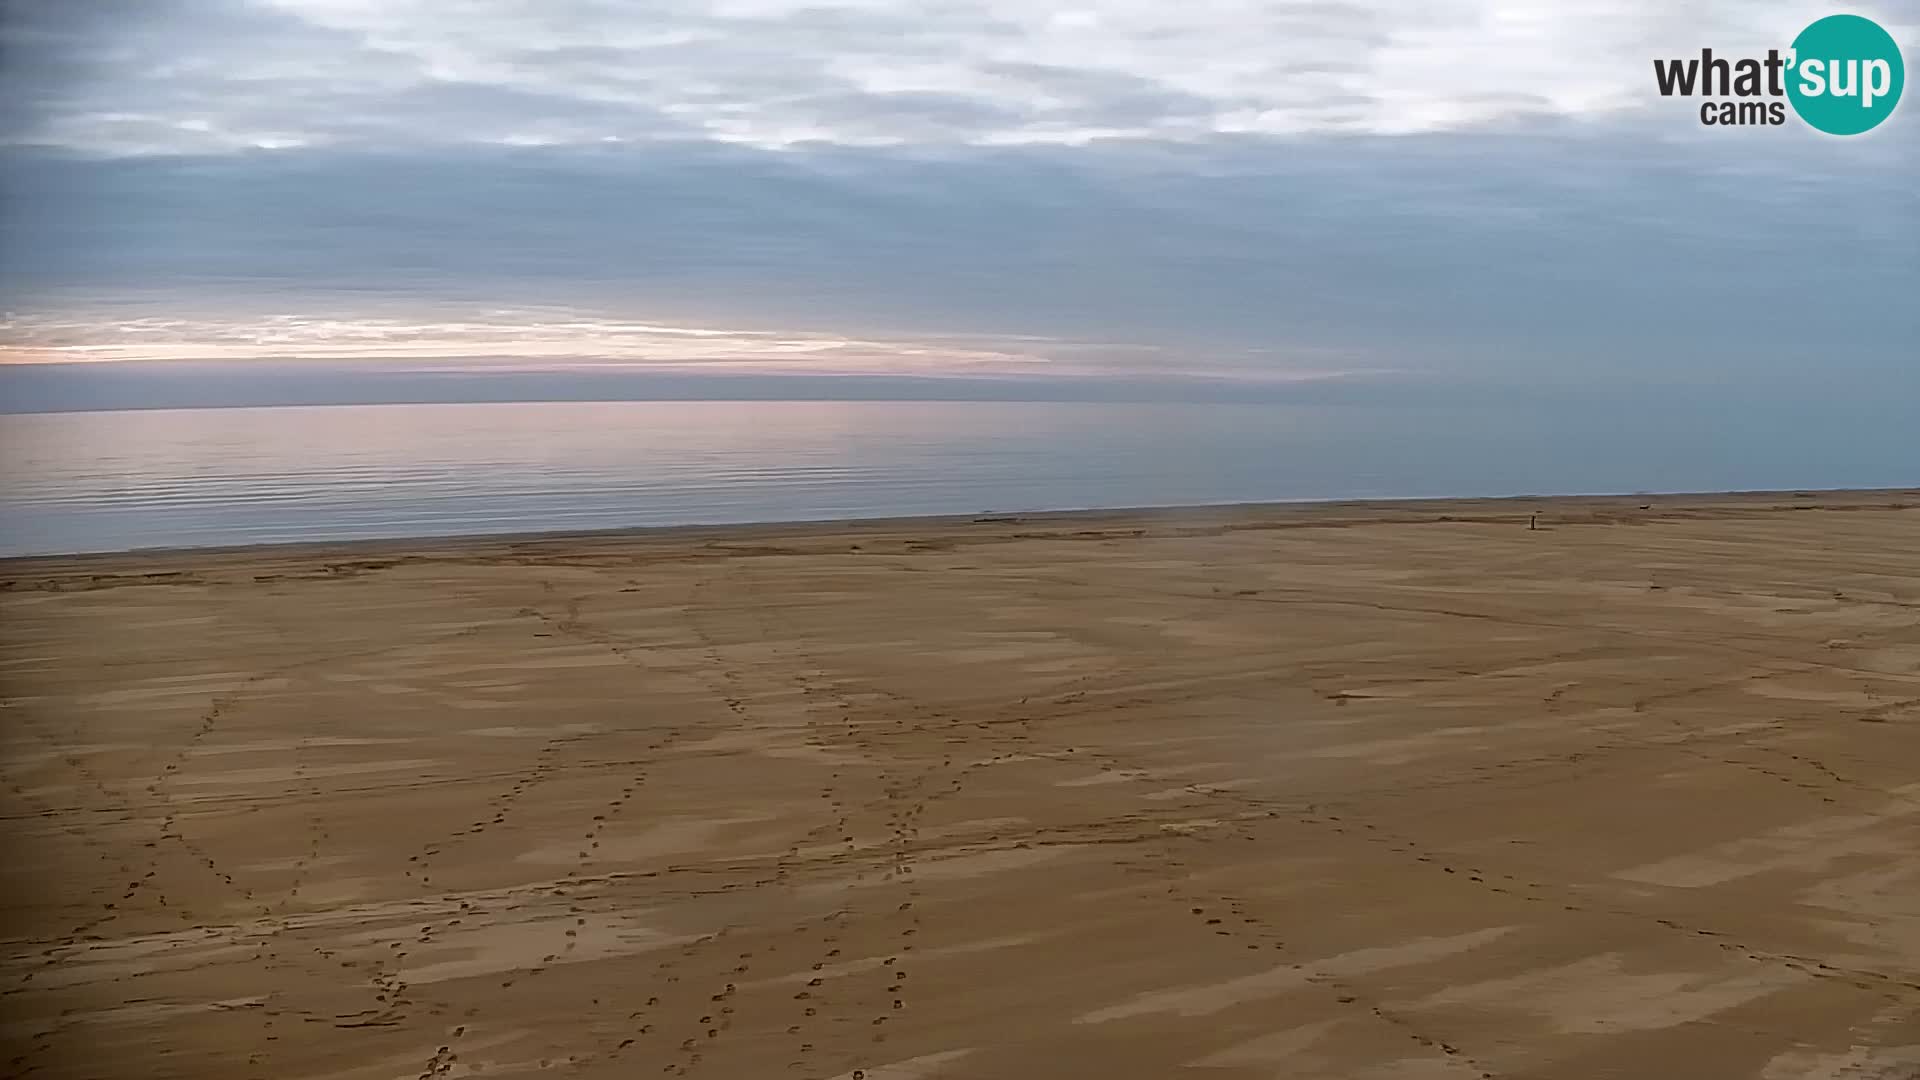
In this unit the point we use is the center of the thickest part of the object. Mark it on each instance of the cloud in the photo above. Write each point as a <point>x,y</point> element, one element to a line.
<point>120,77</point>
<point>1564,254</point>
<point>1196,188</point>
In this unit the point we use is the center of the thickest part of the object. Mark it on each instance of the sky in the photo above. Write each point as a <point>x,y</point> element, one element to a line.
<point>1137,198</point>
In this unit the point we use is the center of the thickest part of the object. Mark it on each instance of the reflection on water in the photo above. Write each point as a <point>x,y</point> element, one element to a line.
<point>118,480</point>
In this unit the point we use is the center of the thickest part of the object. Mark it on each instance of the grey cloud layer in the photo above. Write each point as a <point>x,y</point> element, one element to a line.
<point>119,76</point>
<point>1413,186</point>
<point>1550,250</point>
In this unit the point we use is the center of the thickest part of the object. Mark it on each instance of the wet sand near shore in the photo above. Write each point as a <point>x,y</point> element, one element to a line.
<point>1393,791</point>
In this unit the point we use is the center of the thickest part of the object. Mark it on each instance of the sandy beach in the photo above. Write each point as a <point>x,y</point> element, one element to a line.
<point>1394,790</point>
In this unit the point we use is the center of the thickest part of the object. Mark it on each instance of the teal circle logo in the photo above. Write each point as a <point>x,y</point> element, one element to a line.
<point>1846,75</point>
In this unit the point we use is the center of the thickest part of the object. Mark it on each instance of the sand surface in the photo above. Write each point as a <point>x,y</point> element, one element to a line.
<point>1393,791</point>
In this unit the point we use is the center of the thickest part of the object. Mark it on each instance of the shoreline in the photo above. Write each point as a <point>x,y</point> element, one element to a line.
<point>1320,513</point>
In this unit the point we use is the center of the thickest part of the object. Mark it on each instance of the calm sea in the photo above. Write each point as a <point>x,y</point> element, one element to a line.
<point>105,481</point>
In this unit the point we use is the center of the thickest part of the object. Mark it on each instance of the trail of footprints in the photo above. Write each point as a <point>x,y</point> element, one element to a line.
<point>1893,988</point>
<point>114,863</point>
<point>836,731</point>
<point>1897,989</point>
<point>718,1013</point>
<point>274,916</point>
<point>114,867</point>
<point>546,764</point>
<point>145,885</point>
<point>390,988</point>
<point>643,1025</point>
<point>159,790</point>
<point>268,954</point>
<point>1228,918</point>
<point>832,726</point>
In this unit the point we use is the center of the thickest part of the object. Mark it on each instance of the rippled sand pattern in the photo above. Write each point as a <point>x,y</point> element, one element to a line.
<point>1404,790</point>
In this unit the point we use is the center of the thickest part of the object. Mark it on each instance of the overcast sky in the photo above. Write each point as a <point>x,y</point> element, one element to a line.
<point>1251,191</point>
